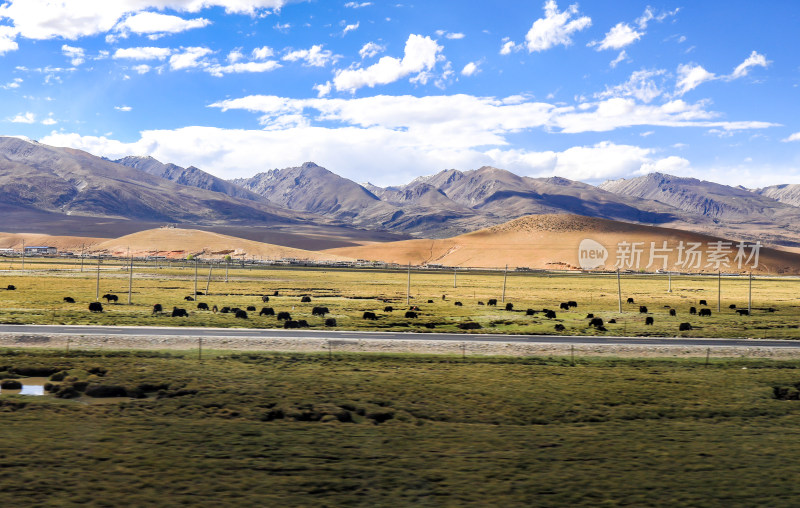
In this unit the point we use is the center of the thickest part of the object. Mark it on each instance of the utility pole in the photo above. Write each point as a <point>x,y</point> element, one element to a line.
<point>130,277</point>
<point>408,285</point>
<point>23,254</point>
<point>97,297</point>
<point>719,290</point>
<point>195,278</point>
<point>208,282</point>
<point>83,247</point>
<point>505,275</point>
<point>750,295</point>
<point>455,269</point>
<point>669,278</point>
<point>619,292</point>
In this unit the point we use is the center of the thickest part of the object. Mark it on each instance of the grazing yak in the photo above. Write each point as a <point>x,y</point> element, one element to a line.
<point>411,314</point>
<point>564,306</point>
<point>110,298</point>
<point>630,300</point>
<point>549,314</point>
<point>572,303</point>
<point>96,307</point>
<point>369,315</point>
<point>703,302</point>
<point>330,321</point>
<point>265,298</point>
<point>743,312</point>
<point>202,306</point>
<point>492,301</point>
<point>157,308</point>
<point>672,312</point>
<point>692,310</point>
<point>596,322</point>
<point>267,311</point>
<point>241,314</point>
<point>251,308</point>
<point>648,320</point>
<point>305,299</point>
<point>705,312</point>
<point>69,299</point>
<point>284,316</point>
<point>530,312</point>
<point>559,327</point>
<point>684,327</point>
<point>509,306</point>
<point>458,304</point>
<point>319,311</point>
<point>642,309</point>
<point>188,298</point>
<point>388,308</point>
<point>176,312</point>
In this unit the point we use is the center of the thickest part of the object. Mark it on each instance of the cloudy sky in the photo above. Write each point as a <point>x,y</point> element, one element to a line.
<point>385,91</point>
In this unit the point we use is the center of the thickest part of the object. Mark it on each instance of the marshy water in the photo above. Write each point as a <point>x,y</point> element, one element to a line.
<point>30,386</point>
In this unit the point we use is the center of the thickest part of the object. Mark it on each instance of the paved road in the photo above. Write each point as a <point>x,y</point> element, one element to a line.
<point>343,335</point>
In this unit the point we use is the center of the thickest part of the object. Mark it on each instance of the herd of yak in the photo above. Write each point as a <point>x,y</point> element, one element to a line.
<point>411,313</point>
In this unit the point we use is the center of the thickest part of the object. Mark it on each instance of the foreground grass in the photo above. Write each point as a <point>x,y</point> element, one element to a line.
<point>349,293</point>
<point>268,429</point>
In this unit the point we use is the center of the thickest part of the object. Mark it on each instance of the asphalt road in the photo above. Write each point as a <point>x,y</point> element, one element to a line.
<point>343,335</point>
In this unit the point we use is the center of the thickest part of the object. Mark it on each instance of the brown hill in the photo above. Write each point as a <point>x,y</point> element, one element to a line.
<point>179,243</point>
<point>553,241</point>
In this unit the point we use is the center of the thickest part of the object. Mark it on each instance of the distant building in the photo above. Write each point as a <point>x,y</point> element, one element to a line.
<point>41,250</point>
<point>7,252</point>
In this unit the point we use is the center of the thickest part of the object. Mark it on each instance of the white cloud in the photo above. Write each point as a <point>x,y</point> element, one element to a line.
<point>621,35</point>
<point>470,69</point>
<point>420,55</point>
<point>463,120</point>
<point>450,35</point>
<point>156,23</point>
<point>142,69</point>
<point>46,19</point>
<point>508,47</point>
<point>370,49</point>
<point>556,28</point>
<point>13,84</point>
<point>238,67</point>
<point>142,53</point>
<point>622,57</point>
<point>123,108</point>
<point>323,89</point>
<point>49,120</point>
<point>7,42</point>
<point>263,53</point>
<point>640,85</point>
<point>754,60</point>
<point>357,5</point>
<point>792,137</point>
<point>350,28</point>
<point>600,161</point>
<point>189,58</point>
<point>691,76</point>
<point>312,57</point>
<point>285,27</point>
<point>235,55</point>
<point>76,55</point>
<point>23,118</point>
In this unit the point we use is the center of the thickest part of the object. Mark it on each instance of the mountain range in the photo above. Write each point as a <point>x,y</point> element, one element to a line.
<point>66,183</point>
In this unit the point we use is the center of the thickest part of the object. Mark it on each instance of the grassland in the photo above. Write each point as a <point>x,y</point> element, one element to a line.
<point>349,293</point>
<point>366,430</point>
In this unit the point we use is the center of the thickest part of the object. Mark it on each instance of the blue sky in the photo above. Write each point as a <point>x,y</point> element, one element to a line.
<point>387,91</point>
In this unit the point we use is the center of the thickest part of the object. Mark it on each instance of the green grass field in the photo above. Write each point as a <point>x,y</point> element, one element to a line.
<point>349,293</point>
<point>367,430</point>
